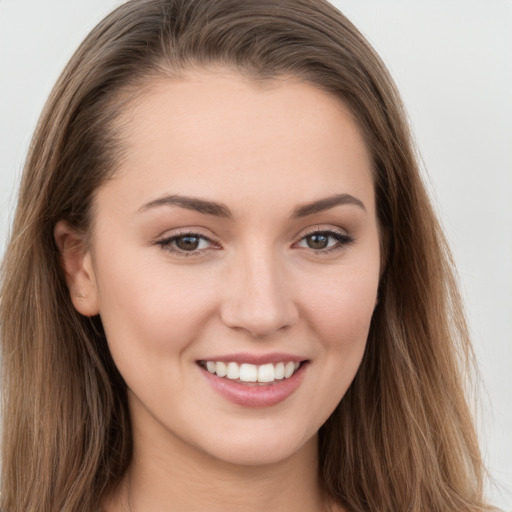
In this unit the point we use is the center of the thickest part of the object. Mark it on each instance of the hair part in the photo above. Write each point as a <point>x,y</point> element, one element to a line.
<point>401,439</point>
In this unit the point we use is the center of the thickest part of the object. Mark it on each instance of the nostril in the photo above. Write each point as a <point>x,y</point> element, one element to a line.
<point>260,324</point>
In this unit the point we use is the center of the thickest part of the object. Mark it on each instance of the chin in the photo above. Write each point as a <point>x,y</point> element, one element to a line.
<point>260,447</point>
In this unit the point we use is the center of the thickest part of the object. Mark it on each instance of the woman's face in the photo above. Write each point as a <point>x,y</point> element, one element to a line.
<point>239,235</point>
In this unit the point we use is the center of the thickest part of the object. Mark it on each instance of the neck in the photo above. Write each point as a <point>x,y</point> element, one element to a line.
<point>173,476</point>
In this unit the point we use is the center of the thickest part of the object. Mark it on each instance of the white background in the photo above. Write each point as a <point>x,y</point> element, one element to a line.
<point>452,60</point>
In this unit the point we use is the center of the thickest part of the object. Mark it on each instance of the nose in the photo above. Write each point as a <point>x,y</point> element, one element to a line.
<point>257,297</point>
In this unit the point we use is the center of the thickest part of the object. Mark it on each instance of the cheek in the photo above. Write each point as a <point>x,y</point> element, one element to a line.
<point>338,316</point>
<point>341,308</point>
<point>146,310</point>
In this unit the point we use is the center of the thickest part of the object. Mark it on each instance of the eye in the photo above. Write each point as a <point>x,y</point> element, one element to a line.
<point>187,244</point>
<point>323,241</point>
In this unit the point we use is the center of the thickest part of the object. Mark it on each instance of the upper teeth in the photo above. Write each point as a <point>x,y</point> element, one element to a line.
<point>251,372</point>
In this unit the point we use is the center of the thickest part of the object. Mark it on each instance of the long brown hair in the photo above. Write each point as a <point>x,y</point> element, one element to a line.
<point>401,439</point>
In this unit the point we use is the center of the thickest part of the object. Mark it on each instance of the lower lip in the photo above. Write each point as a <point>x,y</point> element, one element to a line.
<point>254,395</point>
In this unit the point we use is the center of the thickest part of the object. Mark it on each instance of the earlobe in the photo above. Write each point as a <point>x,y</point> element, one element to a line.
<point>76,262</point>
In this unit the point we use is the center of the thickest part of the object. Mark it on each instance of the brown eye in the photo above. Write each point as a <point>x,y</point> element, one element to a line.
<point>187,243</point>
<point>323,242</point>
<point>318,241</point>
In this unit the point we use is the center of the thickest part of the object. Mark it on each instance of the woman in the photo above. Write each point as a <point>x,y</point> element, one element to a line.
<point>226,287</point>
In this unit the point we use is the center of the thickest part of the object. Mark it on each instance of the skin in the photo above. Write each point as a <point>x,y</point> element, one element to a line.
<point>254,285</point>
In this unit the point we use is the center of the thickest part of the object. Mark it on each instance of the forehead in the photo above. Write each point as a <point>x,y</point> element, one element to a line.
<point>217,132</point>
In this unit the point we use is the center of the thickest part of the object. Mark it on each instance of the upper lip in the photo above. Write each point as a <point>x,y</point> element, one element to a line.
<point>256,359</point>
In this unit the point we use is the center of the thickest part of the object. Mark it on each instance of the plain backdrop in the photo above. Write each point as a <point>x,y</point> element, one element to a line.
<point>452,61</point>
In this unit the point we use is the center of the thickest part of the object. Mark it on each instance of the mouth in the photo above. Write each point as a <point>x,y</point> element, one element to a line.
<point>248,373</point>
<point>252,381</point>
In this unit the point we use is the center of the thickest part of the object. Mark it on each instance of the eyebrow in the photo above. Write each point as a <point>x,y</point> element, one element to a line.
<point>327,203</point>
<point>220,210</point>
<point>190,203</point>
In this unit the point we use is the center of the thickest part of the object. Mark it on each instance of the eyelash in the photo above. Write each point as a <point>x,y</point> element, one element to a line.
<point>167,243</point>
<point>342,240</point>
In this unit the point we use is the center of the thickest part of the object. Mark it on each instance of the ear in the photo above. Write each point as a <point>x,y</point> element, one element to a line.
<point>76,261</point>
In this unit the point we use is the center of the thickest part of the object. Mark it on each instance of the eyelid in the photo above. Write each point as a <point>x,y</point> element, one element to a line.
<point>344,239</point>
<point>196,230</point>
<point>321,228</point>
<point>165,242</point>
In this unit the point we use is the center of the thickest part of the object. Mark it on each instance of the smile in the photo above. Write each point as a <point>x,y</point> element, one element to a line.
<point>254,381</point>
<point>245,372</point>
